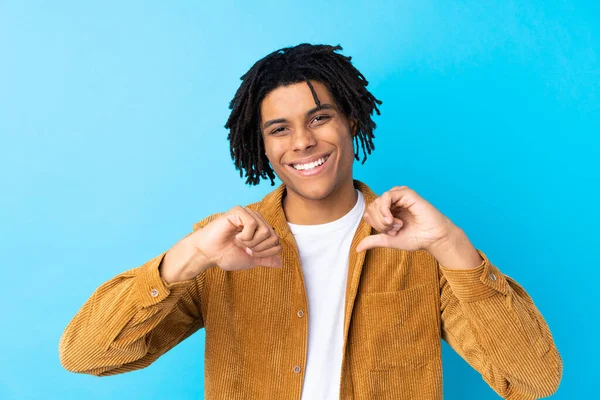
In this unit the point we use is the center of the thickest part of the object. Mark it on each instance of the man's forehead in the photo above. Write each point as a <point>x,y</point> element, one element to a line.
<point>296,97</point>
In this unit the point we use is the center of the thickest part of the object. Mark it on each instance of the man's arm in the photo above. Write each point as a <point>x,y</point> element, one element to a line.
<point>491,321</point>
<point>135,317</point>
<point>486,316</point>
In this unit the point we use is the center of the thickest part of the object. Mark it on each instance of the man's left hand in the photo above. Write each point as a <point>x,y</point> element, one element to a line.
<point>405,221</point>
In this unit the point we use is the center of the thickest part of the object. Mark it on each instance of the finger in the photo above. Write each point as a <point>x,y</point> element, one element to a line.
<point>372,241</point>
<point>271,238</point>
<point>271,262</point>
<point>402,197</point>
<point>374,222</point>
<point>367,217</point>
<point>376,218</point>
<point>384,208</point>
<point>266,253</point>
<point>263,230</point>
<point>396,226</point>
<point>234,219</point>
<point>269,242</point>
<point>248,222</point>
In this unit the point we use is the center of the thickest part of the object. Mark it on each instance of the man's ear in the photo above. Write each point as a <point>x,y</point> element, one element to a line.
<point>353,126</point>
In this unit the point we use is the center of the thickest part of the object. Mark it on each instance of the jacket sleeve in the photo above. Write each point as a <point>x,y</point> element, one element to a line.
<point>491,322</point>
<point>132,319</point>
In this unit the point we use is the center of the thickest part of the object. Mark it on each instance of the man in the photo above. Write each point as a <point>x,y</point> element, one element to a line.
<point>322,289</point>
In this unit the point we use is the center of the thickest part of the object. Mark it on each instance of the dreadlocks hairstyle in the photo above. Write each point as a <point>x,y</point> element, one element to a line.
<point>284,67</point>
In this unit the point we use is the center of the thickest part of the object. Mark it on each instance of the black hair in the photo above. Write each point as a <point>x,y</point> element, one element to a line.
<point>284,67</point>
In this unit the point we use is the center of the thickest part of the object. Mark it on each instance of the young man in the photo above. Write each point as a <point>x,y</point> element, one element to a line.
<point>322,289</point>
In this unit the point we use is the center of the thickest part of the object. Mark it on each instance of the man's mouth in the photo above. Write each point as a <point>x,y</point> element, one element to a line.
<point>311,168</point>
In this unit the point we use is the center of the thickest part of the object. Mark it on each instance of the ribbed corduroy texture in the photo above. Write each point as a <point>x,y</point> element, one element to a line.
<point>399,305</point>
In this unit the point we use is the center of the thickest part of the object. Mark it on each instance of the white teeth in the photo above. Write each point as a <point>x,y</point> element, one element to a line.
<point>303,167</point>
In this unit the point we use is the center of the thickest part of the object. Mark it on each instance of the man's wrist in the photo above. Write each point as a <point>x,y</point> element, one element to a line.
<point>456,252</point>
<point>183,262</point>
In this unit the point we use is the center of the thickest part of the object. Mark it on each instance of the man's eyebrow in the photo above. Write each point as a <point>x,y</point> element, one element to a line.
<point>273,122</point>
<point>324,106</point>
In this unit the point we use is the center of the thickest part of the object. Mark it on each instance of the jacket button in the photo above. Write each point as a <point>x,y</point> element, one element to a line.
<point>300,313</point>
<point>493,277</point>
<point>297,369</point>
<point>154,293</point>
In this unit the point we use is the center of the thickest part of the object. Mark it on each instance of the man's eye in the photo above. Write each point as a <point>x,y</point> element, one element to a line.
<point>277,130</point>
<point>319,118</point>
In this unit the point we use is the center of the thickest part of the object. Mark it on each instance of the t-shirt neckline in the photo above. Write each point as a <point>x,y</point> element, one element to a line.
<point>350,218</point>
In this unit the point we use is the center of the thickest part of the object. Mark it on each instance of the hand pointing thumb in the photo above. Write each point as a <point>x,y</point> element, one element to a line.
<point>270,261</point>
<point>380,240</point>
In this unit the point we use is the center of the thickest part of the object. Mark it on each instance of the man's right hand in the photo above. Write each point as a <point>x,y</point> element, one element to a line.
<point>238,240</point>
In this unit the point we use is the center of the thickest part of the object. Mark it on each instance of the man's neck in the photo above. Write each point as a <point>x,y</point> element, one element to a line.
<point>302,211</point>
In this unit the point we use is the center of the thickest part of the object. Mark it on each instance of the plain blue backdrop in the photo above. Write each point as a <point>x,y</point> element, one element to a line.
<point>113,145</point>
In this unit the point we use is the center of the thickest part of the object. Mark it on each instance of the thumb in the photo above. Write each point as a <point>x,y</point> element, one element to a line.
<point>380,240</point>
<point>271,261</point>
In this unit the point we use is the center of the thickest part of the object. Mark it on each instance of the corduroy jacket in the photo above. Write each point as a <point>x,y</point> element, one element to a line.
<point>398,307</point>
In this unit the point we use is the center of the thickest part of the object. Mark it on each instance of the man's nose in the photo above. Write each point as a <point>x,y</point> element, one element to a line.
<point>303,139</point>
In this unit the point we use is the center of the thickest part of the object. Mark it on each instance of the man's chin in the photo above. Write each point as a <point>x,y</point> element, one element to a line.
<point>311,192</point>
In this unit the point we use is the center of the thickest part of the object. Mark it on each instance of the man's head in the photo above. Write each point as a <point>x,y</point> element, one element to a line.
<point>297,103</point>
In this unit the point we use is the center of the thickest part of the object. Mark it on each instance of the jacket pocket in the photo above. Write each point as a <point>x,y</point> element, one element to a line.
<point>402,327</point>
<point>424,383</point>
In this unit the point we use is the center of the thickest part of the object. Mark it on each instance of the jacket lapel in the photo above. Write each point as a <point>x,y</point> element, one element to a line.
<point>356,261</point>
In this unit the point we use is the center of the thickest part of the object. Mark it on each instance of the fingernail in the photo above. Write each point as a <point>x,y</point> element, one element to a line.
<point>387,219</point>
<point>396,226</point>
<point>248,251</point>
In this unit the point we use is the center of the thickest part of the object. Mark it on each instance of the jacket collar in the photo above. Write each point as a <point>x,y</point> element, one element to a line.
<point>271,207</point>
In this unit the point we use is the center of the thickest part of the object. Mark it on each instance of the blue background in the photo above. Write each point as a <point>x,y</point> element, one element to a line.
<point>111,122</point>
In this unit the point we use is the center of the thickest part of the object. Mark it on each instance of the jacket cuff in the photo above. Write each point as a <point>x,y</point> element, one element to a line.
<point>151,288</point>
<point>478,283</point>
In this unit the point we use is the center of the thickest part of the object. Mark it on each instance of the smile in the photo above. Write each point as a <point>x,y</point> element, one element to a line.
<point>310,168</point>
<point>312,165</point>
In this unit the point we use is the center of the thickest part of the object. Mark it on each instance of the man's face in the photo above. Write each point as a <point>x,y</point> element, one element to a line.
<point>298,137</point>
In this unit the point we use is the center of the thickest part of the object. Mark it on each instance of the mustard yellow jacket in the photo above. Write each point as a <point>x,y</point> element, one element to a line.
<point>399,305</point>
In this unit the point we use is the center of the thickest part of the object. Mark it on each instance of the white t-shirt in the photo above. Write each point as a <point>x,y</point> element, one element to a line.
<point>324,251</point>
